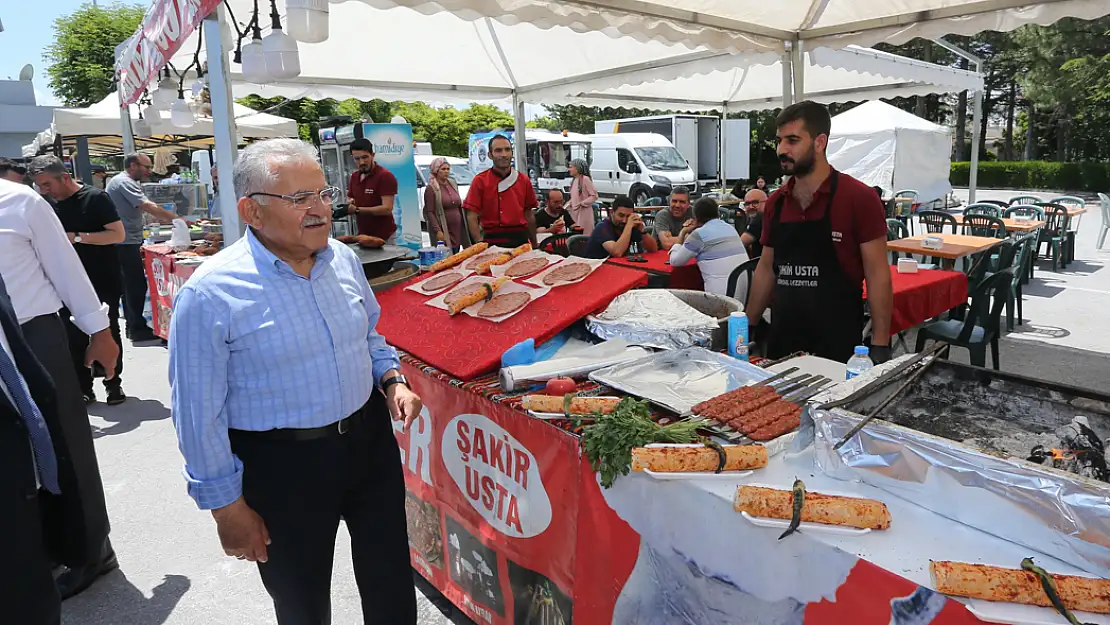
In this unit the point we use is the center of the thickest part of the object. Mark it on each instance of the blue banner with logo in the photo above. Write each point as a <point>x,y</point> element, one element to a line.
<point>479,149</point>
<point>393,149</point>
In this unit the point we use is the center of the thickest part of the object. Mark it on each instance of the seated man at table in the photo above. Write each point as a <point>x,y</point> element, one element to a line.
<point>669,221</point>
<point>715,245</point>
<point>623,229</point>
<point>755,201</point>
<point>553,217</point>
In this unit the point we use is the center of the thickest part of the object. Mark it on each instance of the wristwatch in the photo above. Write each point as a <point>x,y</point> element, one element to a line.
<point>397,379</point>
<point>77,238</point>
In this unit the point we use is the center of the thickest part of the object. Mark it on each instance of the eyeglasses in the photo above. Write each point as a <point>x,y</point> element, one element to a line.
<point>303,201</point>
<point>754,203</point>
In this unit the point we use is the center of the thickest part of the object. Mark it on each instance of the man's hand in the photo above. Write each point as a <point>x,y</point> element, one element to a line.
<point>880,354</point>
<point>71,236</point>
<point>635,221</point>
<point>351,207</point>
<point>558,226</point>
<point>439,236</point>
<point>403,404</point>
<point>689,223</point>
<point>103,349</point>
<point>242,532</point>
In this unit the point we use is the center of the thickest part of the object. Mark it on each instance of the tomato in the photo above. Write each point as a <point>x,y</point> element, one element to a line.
<point>560,386</point>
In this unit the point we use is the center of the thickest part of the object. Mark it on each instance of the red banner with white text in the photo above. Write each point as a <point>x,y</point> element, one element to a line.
<point>165,27</point>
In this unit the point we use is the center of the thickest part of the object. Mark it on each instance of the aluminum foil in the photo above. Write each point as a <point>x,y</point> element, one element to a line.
<point>1059,514</point>
<point>580,363</point>
<point>653,318</point>
<point>678,379</point>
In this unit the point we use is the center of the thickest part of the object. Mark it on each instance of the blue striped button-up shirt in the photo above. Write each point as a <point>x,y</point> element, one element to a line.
<point>254,346</point>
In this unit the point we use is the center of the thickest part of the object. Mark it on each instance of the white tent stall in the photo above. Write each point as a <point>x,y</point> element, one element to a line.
<point>884,146</point>
<point>102,119</point>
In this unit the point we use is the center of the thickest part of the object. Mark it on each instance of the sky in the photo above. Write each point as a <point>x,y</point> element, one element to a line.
<point>26,35</point>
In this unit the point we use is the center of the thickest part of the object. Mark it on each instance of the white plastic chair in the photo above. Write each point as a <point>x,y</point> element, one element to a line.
<point>1104,201</point>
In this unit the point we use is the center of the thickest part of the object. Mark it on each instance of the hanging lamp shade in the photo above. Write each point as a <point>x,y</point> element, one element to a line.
<point>141,128</point>
<point>307,20</point>
<point>181,114</point>
<point>165,94</point>
<point>254,63</point>
<point>283,60</point>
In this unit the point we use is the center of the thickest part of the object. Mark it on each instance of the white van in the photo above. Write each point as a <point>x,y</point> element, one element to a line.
<point>639,165</point>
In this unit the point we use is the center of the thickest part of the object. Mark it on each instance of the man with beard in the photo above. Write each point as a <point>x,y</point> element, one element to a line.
<point>554,218</point>
<point>755,202</point>
<point>371,192</point>
<point>825,234</point>
<point>623,229</point>
<point>94,227</point>
<point>132,204</point>
<point>282,310</point>
<point>670,221</point>
<point>501,203</point>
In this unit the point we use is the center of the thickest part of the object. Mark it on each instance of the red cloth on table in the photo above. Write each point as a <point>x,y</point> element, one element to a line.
<point>465,347</point>
<point>921,296</point>
<point>686,277</point>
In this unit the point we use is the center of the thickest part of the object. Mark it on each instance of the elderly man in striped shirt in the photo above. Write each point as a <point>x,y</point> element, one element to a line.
<point>716,246</point>
<point>282,392</point>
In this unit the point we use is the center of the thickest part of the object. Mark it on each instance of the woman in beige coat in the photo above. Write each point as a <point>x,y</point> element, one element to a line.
<point>582,196</point>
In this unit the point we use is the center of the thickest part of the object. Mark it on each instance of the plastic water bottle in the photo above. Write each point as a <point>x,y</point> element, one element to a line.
<point>859,363</point>
<point>441,251</point>
<point>738,335</point>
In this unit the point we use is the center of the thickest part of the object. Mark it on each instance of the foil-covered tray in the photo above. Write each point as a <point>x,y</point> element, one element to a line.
<point>955,443</point>
<point>678,379</point>
<point>653,318</point>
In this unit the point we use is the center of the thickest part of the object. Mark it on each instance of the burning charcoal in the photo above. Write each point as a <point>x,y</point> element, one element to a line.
<point>1081,451</point>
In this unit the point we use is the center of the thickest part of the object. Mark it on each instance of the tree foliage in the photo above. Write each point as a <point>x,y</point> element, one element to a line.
<point>82,57</point>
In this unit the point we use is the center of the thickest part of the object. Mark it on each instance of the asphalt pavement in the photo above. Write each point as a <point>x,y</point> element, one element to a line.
<point>173,571</point>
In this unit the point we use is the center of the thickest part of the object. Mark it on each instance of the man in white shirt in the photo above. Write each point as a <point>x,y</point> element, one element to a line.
<point>43,273</point>
<point>716,246</point>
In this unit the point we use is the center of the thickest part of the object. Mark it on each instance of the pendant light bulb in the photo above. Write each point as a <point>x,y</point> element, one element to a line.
<point>307,20</point>
<point>283,60</point>
<point>166,92</point>
<point>254,63</point>
<point>181,115</point>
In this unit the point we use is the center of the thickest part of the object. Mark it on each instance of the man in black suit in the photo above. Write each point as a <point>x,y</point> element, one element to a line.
<point>28,466</point>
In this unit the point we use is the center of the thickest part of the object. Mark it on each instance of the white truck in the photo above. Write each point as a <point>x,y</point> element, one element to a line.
<point>639,165</point>
<point>698,138</point>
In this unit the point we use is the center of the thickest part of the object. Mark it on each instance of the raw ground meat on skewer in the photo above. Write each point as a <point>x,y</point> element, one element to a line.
<point>568,272</point>
<point>504,304</point>
<point>526,267</point>
<point>441,282</point>
<point>783,426</point>
<point>749,406</point>
<point>768,415</point>
<point>734,396</point>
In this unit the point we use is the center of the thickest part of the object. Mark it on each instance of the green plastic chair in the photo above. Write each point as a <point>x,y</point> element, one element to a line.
<point>1024,199</point>
<point>1025,210</point>
<point>983,208</point>
<point>1104,201</point>
<point>655,201</point>
<point>1055,234</point>
<point>979,225</point>
<point>1073,224</point>
<point>576,245</point>
<point>981,326</point>
<point>903,211</point>
<point>896,229</point>
<point>935,221</point>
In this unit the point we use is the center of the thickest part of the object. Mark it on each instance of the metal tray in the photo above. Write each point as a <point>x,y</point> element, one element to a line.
<point>678,379</point>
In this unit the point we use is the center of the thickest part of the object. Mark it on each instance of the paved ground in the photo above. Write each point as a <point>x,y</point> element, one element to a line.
<point>171,567</point>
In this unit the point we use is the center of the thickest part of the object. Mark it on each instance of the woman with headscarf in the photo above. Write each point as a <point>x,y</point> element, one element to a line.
<point>582,196</point>
<point>443,210</point>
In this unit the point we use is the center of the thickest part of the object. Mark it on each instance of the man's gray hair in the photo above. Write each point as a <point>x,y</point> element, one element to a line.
<point>48,164</point>
<point>681,190</point>
<point>256,164</point>
<point>129,160</point>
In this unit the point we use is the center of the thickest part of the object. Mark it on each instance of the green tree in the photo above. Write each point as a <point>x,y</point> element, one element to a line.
<point>545,122</point>
<point>82,57</point>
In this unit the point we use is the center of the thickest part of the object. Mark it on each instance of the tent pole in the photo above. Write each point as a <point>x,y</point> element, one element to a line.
<point>520,150</point>
<point>125,111</point>
<point>787,79</point>
<point>721,134</point>
<point>81,166</point>
<point>976,139</point>
<point>798,60</point>
<point>223,123</point>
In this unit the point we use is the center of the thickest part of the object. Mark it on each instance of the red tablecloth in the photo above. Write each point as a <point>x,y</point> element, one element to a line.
<point>687,276</point>
<point>465,347</point>
<point>921,296</point>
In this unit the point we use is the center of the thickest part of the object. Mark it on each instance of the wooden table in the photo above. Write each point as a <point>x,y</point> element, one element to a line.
<point>1016,225</point>
<point>955,246</point>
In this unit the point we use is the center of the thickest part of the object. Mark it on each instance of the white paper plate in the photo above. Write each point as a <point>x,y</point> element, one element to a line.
<point>816,528</point>
<point>1017,614</point>
<point>537,279</point>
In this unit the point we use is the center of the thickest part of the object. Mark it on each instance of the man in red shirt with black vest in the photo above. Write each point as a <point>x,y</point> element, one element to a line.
<point>370,193</point>
<point>824,233</point>
<point>501,201</point>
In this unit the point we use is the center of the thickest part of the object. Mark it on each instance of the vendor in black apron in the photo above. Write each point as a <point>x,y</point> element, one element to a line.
<point>825,234</point>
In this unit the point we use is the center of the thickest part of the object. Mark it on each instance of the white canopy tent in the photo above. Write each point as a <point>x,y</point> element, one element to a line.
<point>884,146</point>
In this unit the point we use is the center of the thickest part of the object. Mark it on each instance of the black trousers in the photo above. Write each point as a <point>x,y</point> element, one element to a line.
<point>134,287</point>
<point>28,595</point>
<point>302,489</point>
<point>79,342</point>
<point>75,522</point>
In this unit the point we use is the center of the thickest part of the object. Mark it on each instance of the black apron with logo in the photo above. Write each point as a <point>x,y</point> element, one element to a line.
<point>816,308</point>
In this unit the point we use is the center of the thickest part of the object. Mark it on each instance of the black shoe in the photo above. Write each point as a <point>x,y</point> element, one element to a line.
<point>116,396</point>
<point>74,581</point>
<point>90,397</point>
<point>144,338</point>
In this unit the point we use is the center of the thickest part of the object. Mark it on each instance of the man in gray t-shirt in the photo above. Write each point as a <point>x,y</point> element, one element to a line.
<point>669,221</point>
<point>131,203</point>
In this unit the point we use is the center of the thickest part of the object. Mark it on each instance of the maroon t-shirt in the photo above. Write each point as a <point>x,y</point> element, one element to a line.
<point>367,191</point>
<point>858,217</point>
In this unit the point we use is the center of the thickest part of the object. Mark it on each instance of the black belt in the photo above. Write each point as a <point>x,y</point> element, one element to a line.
<point>339,428</point>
